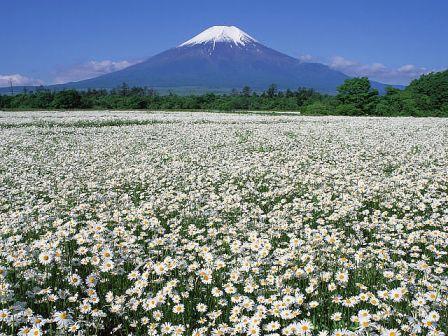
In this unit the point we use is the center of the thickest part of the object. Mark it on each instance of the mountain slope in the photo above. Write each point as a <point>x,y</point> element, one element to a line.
<point>221,65</point>
<point>218,59</point>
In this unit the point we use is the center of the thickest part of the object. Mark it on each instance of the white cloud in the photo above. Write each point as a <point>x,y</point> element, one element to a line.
<point>378,71</point>
<point>307,58</point>
<point>408,68</point>
<point>339,62</point>
<point>90,69</point>
<point>18,80</point>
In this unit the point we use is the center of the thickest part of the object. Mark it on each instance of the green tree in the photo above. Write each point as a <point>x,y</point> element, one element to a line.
<point>271,92</point>
<point>430,91</point>
<point>358,96</point>
<point>348,110</point>
<point>317,108</point>
<point>397,103</point>
<point>67,99</point>
<point>246,91</point>
<point>43,99</point>
<point>123,90</point>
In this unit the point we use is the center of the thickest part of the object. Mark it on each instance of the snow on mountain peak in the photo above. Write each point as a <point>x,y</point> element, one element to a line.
<point>230,34</point>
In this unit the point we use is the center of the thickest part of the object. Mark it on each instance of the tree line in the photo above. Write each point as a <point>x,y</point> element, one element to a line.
<point>426,96</point>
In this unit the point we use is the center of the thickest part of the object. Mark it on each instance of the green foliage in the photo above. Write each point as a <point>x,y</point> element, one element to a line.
<point>426,96</point>
<point>430,93</point>
<point>271,91</point>
<point>357,97</point>
<point>67,100</point>
<point>348,109</point>
<point>318,108</point>
<point>246,91</point>
<point>397,103</point>
<point>125,97</point>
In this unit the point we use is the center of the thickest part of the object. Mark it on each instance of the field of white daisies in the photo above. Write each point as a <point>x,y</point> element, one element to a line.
<point>134,223</point>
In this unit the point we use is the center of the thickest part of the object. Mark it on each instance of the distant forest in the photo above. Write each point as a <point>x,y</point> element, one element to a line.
<point>426,96</point>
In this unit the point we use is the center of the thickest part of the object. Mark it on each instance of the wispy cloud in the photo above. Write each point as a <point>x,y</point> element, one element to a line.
<point>17,80</point>
<point>90,69</point>
<point>378,71</point>
<point>307,58</point>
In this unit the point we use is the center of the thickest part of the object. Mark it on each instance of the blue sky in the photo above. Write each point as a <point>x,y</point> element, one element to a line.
<point>49,41</point>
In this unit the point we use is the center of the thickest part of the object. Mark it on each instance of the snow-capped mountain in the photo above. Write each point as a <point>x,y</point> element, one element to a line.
<point>220,58</point>
<point>216,34</point>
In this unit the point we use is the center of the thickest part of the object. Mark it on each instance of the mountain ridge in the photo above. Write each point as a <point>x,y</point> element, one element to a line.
<point>220,58</point>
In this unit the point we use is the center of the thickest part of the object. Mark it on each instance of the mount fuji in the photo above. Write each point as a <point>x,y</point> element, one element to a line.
<point>220,58</point>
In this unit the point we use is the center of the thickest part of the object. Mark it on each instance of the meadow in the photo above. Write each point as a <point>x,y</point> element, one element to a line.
<point>137,223</point>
